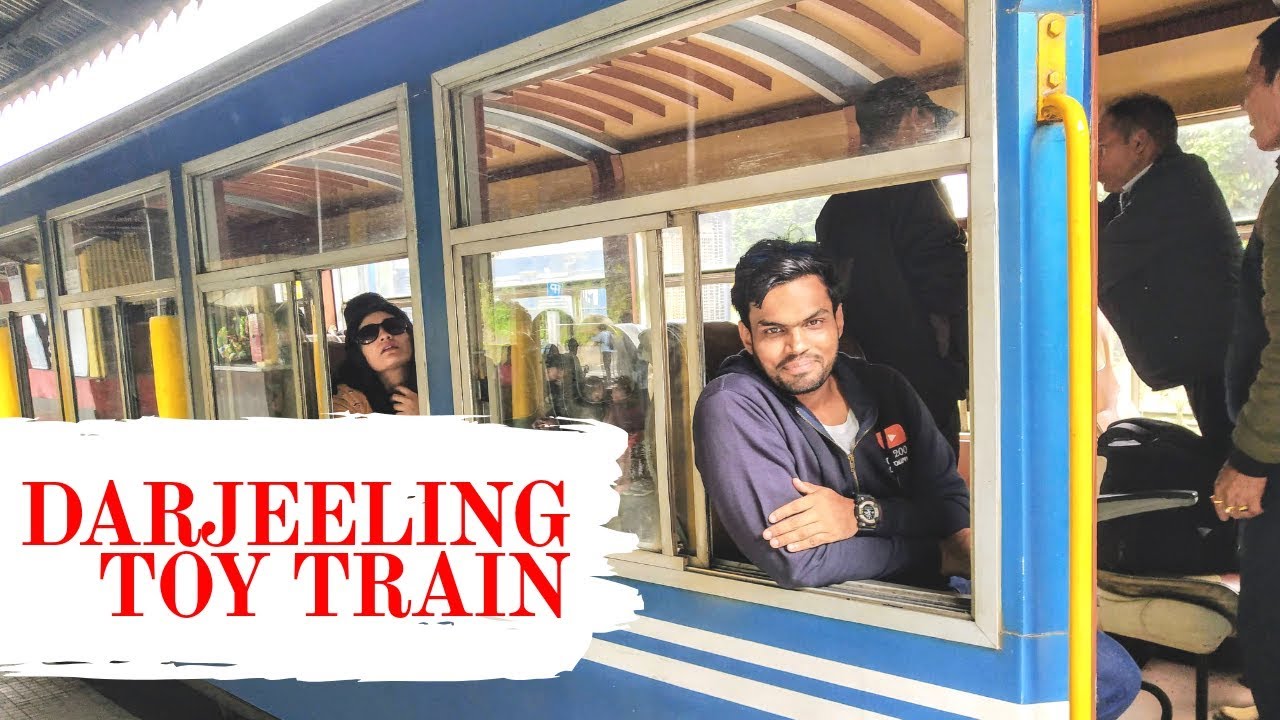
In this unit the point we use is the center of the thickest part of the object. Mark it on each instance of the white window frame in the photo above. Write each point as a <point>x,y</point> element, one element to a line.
<point>314,132</point>
<point>630,23</point>
<point>62,302</point>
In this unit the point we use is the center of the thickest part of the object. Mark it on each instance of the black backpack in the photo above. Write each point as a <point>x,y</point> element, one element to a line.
<point>1145,454</point>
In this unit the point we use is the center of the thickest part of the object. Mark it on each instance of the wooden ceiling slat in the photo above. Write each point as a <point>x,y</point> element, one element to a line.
<point>631,77</point>
<point>512,138</point>
<point>386,156</point>
<point>679,70</point>
<point>554,109</point>
<point>934,10</point>
<point>499,141</point>
<point>722,61</point>
<point>885,27</point>
<point>644,102</point>
<point>583,101</point>
<point>279,197</point>
<point>308,178</point>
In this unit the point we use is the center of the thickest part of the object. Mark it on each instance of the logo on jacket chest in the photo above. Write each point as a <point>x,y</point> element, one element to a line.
<point>893,440</point>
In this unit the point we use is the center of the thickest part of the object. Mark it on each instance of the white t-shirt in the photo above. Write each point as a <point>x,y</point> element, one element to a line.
<point>844,434</point>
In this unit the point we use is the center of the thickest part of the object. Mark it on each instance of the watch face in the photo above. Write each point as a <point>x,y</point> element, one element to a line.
<point>868,511</point>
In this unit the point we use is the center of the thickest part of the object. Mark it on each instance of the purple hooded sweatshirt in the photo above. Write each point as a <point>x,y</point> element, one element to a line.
<point>751,438</point>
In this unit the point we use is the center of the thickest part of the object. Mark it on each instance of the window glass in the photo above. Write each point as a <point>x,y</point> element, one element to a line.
<point>95,366</point>
<point>251,338</point>
<point>137,327</point>
<point>21,269</point>
<point>36,355</point>
<point>119,245</point>
<point>1242,170</point>
<point>345,194</point>
<point>750,94</point>
<point>563,330</point>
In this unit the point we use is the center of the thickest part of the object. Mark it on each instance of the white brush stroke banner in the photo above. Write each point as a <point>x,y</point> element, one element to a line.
<point>63,602</point>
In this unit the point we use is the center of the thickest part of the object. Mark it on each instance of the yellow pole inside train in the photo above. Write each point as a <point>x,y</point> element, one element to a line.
<point>166,362</point>
<point>10,402</point>
<point>1081,628</point>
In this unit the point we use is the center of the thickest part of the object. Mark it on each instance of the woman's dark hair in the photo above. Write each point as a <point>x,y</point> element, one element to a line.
<point>1269,55</point>
<point>774,262</point>
<point>355,371</point>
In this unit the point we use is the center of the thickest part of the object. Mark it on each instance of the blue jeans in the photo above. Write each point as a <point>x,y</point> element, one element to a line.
<point>1119,679</point>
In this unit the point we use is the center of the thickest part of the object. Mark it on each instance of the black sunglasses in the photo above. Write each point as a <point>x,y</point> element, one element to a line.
<point>370,332</point>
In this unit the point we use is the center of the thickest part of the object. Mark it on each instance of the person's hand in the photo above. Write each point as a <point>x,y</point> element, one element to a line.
<point>820,516</point>
<point>957,554</point>
<point>347,399</point>
<point>405,401</point>
<point>1237,496</point>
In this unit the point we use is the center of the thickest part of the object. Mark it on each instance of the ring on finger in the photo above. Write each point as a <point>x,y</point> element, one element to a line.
<point>1215,500</point>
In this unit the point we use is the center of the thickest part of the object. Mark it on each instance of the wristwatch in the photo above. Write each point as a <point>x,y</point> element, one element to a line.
<point>867,510</point>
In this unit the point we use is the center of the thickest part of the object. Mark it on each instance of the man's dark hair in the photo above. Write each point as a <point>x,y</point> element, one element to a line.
<point>773,262</point>
<point>1269,57</point>
<point>1147,112</point>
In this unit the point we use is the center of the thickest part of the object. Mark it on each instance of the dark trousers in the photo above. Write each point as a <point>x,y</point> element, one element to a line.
<point>1259,614</point>
<point>1208,399</point>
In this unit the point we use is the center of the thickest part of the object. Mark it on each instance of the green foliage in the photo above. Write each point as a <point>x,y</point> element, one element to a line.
<point>792,221</point>
<point>1243,172</point>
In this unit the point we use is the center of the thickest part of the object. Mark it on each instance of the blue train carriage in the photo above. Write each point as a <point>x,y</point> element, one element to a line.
<point>541,186</point>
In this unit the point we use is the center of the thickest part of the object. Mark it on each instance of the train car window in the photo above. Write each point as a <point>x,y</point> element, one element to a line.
<point>95,364</point>
<point>745,94</point>
<point>700,133</point>
<point>1242,170</point>
<point>349,192</point>
<point>22,275</point>
<point>118,255</point>
<point>30,388</point>
<point>122,244</point>
<point>565,331</point>
<point>254,350</point>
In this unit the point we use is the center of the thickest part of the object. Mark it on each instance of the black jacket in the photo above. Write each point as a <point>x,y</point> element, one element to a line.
<point>1168,271</point>
<point>750,439</point>
<point>902,258</point>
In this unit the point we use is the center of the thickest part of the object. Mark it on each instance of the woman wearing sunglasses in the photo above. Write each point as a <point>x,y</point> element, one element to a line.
<point>377,374</point>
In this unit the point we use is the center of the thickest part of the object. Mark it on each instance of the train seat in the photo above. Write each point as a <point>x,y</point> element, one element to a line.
<point>1191,613</point>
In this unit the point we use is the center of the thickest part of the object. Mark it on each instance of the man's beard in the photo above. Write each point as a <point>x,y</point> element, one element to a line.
<point>799,387</point>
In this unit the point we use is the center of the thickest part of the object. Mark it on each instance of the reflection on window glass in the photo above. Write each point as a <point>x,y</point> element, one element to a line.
<point>251,337</point>
<point>787,87</point>
<point>42,373</point>
<point>21,270</point>
<point>137,327</point>
<point>563,331</point>
<point>1242,170</point>
<point>95,367</point>
<point>389,279</point>
<point>344,195</point>
<point>123,244</point>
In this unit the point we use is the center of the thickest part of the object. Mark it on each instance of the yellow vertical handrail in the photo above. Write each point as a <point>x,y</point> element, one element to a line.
<point>1082,565</point>
<point>167,366</point>
<point>10,397</point>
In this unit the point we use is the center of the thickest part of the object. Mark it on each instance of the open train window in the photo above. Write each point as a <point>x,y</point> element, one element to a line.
<point>289,227</point>
<point>27,350</point>
<point>613,185</point>
<point>116,254</point>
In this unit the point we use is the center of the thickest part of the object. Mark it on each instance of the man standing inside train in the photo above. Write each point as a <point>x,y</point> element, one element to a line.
<point>825,468</point>
<point>1168,259</point>
<point>899,250</point>
<point>1248,487</point>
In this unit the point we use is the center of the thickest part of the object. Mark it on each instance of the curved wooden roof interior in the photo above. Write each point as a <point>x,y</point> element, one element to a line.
<point>785,62</point>
<point>1191,52</point>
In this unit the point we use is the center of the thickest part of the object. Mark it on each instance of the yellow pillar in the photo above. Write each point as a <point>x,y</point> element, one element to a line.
<point>10,402</point>
<point>526,370</point>
<point>166,362</point>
